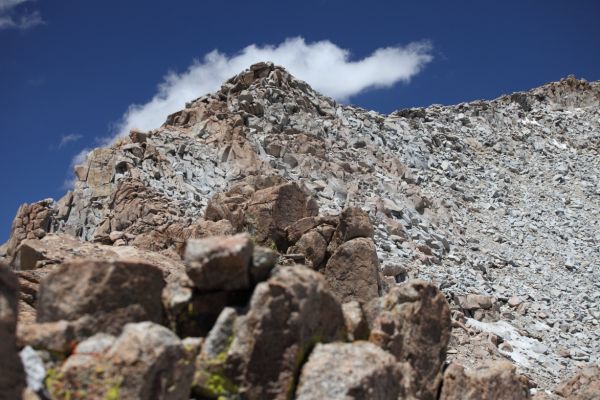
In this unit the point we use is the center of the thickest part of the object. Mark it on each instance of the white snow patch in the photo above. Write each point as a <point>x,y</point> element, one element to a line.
<point>524,349</point>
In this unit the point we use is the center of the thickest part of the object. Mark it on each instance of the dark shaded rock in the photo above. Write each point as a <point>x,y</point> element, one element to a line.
<point>101,296</point>
<point>12,376</point>
<point>287,316</point>
<point>313,246</point>
<point>414,325</point>
<point>352,272</point>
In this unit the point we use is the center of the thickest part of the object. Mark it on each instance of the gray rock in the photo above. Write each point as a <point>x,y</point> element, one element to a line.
<point>350,371</point>
<point>219,262</point>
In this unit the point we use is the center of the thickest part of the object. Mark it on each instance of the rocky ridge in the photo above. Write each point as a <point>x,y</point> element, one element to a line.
<point>495,202</point>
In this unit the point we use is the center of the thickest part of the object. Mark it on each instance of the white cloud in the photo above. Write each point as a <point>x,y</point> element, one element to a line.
<point>8,4</point>
<point>11,18</point>
<point>66,139</point>
<point>323,65</point>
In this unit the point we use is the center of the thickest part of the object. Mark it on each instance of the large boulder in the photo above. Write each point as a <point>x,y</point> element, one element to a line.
<point>219,262</point>
<point>287,316</point>
<point>271,210</point>
<point>32,221</point>
<point>497,380</point>
<point>313,246</point>
<point>63,248</point>
<point>264,206</point>
<point>352,272</point>
<point>101,296</point>
<point>584,385</point>
<point>353,223</point>
<point>414,325</point>
<point>12,377</point>
<point>345,371</point>
<point>147,361</point>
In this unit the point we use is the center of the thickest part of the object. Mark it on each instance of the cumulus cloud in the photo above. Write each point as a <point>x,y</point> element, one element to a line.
<point>11,17</point>
<point>66,139</point>
<point>328,68</point>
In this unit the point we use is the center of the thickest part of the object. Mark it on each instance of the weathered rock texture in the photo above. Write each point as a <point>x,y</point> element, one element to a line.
<point>585,385</point>
<point>414,325</point>
<point>147,361</point>
<point>287,316</point>
<point>101,296</point>
<point>350,371</point>
<point>496,202</point>
<point>494,381</point>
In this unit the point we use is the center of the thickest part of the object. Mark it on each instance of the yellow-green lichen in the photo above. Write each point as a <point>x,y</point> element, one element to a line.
<point>217,385</point>
<point>114,388</point>
<point>113,393</point>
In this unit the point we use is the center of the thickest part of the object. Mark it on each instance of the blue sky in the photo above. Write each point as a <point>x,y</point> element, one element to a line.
<point>70,69</point>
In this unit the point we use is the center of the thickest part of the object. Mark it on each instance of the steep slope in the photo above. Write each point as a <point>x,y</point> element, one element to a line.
<point>498,198</point>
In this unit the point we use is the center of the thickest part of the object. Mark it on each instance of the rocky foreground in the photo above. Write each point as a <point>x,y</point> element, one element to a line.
<point>268,243</point>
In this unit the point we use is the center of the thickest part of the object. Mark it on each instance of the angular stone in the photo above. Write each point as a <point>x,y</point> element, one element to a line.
<point>101,296</point>
<point>32,221</point>
<point>63,248</point>
<point>263,261</point>
<point>414,325</point>
<point>354,223</point>
<point>213,374</point>
<point>472,302</point>
<point>287,316</point>
<point>219,262</point>
<point>147,361</point>
<point>356,323</point>
<point>352,272</point>
<point>359,370</point>
<point>313,246</point>
<point>58,336</point>
<point>12,376</point>
<point>584,385</point>
<point>269,211</point>
<point>495,380</point>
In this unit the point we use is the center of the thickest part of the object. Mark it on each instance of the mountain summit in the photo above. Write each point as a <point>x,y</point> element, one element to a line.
<point>497,203</point>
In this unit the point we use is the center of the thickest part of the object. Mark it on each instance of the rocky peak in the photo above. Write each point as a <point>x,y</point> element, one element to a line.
<point>495,202</point>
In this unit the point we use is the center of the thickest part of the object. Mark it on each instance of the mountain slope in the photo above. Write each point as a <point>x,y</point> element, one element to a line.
<point>497,198</point>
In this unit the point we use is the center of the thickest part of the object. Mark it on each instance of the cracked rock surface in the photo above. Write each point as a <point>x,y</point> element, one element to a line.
<point>497,203</point>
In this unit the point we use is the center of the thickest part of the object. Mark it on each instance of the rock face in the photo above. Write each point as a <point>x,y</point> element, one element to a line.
<point>353,271</point>
<point>12,378</point>
<point>495,381</point>
<point>147,361</point>
<point>585,385</point>
<point>496,202</point>
<point>265,207</point>
<point>350,371</point>
<point>414,326</point>
<point>219,262</point>
<point>287,316</point>
<point>101,296</point>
